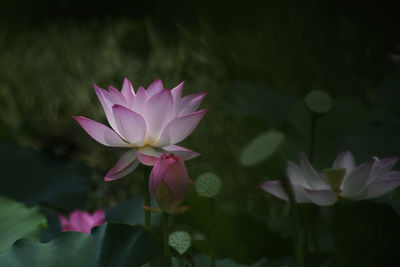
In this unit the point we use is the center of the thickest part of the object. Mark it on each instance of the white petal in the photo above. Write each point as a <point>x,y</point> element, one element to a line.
<point>275,188</point>
<point>314,180</point>
<point>378,188</point>
<point>356,180</point>
<point>295,174</point>
<point>345,160</point>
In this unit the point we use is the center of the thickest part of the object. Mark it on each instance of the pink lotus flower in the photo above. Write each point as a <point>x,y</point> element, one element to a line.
<point>82,221</point>
<point>169,183</point>
<point>368,180</point>
<point>149,122</point>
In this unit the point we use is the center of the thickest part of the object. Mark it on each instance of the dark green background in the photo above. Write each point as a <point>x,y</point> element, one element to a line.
<point>257,61</point>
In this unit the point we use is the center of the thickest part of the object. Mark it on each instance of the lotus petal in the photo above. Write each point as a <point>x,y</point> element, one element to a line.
<point>190,103</point>
<point>179,128</point>
<point>130,125</point>
<point>128,93</point>
<point>125,165</point>
<point>155,87</point>
<point>158,111</point>
<point>101,133</point>
<point>345,160</point>
<point>313,179</point>
<point>182,152</point>
<point>356,180</point>
<point>275,188</point>
<point>378,188</point>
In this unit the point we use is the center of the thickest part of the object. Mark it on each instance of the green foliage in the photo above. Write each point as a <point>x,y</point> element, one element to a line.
<point>131,211</point>
<point>262,147</point>
<point>109,245</point>
<point>18,221</point>
<point>33,177</point>
<point>245,99</point>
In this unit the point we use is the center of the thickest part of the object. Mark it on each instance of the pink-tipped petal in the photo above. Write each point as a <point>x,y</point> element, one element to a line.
<point>182,152</point>
<point>101,133</point>
<point>158,111</point>
<point>128,93</point>
<point>155,87</point>
<point>125,165</point>
<point>314,180</point>
<point>275,188</point>
<point>378,188</point>
<point>187,107</point>
<point>176,96</point>
<point>146,159</point>
<point>130,124</point>
<point>148,156</point>
<point>140,99</point>
<point>356,180</point>
<point>106,103</point>
<point>345,160</point>
<point>177,92</point>
<point>116,97</point>
<point>179,128</point>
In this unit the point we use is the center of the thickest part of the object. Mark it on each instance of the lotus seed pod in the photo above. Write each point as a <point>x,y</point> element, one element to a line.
<point>318,101</point>
<point>180,240</point>
<point>208,184</point>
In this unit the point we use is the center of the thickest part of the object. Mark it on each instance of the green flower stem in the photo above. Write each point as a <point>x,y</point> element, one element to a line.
<point>314,120</point>
<point>147,199</point>
<point>297,234</point>
<point>212,230</point>
<point>312,211</point>
<point>165,234</point>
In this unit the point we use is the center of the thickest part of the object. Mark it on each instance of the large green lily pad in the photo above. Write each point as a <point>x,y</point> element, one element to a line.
<point>112,244</point>
<point>17,221</point>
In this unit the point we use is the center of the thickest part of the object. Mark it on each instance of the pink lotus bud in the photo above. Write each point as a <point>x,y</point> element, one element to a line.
<point>169,182</point>
<point>82,221</point>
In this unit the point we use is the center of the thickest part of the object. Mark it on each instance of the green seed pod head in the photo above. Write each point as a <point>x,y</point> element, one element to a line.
<point>208,184</point>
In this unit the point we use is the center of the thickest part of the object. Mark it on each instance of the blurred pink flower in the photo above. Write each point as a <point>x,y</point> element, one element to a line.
<point>149,122</point>
<point>368,180</point>
<point>169,183</point>
<point>82,221</point>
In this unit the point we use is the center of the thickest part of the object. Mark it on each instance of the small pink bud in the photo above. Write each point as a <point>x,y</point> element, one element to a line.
<point>169,182</point>
<point>82,221</point>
